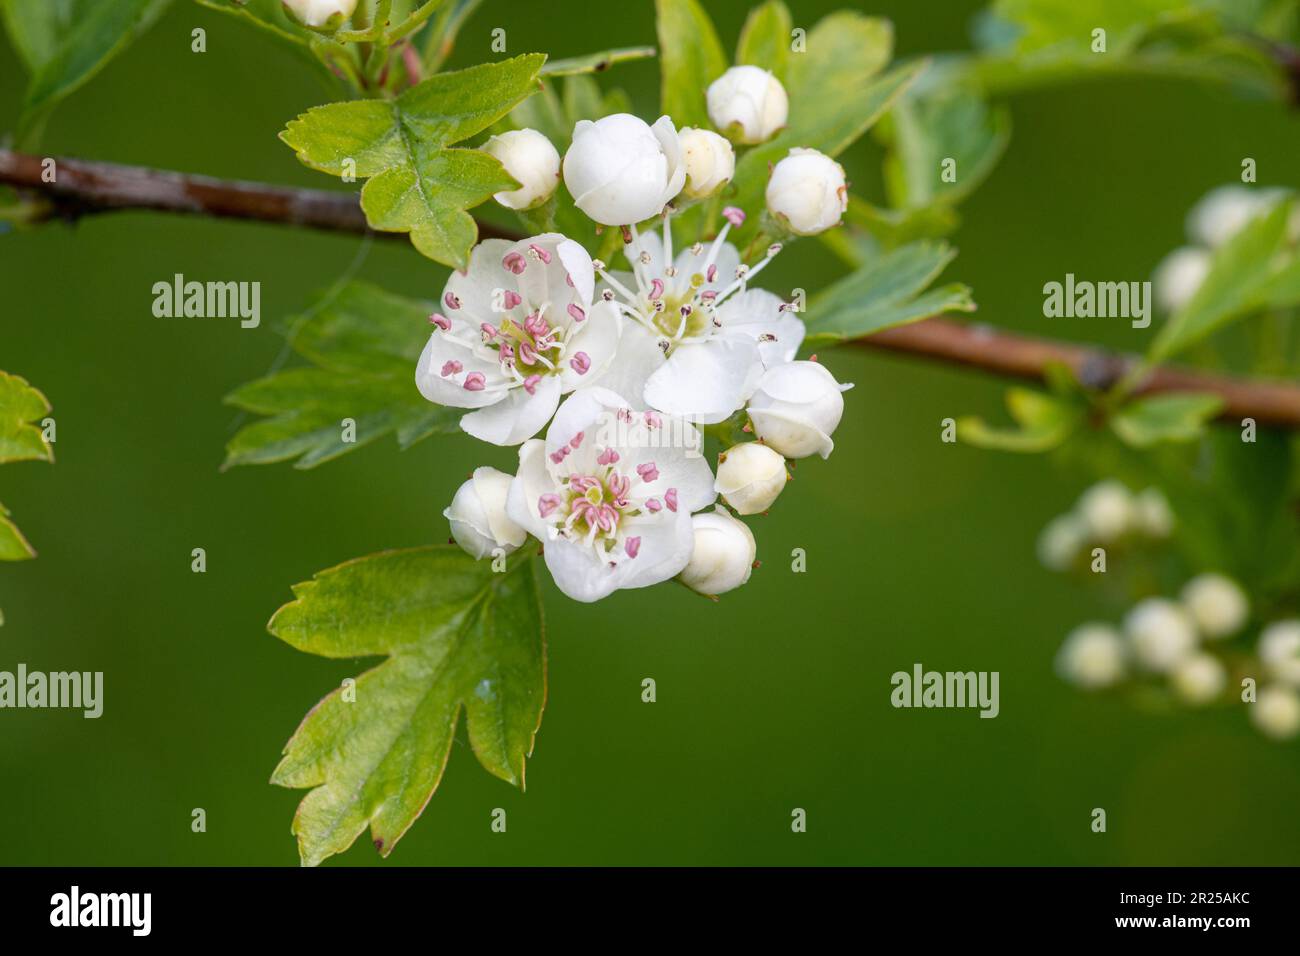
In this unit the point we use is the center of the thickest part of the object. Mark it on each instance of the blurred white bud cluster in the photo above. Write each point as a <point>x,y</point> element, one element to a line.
<point>1108,515</point>
<point>1213,221</point>
<point>1187,645</point>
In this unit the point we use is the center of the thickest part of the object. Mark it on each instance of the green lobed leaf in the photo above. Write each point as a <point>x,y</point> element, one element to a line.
<point>1242,277</point>
<point>456,635</point>
<point>21,406</point>
<point>1044,422</point>
<point>765,38</point>
<point>1177,417</point>
<point>66,42</point>
<point>362,344</point>
<point>923,132</point>
<point>13,546</point>
<point>690,58</point>
<point>417,185</point>
<point>887,290</point>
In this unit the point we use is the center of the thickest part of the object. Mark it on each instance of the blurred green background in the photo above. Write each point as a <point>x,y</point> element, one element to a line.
<point>775,698</point>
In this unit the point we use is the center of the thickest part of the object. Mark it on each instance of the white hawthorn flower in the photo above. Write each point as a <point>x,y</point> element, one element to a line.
<point>807,192</point>
<point>477,514</point>
<point>516,330</point>
<point>1225,211</point>
<point>621,171</point>
<point>610,493</point>
<point>1061,542</point>
<point>748,103</point>
<point>1152,513</point>
<point>1179,275</point>
<point>699,339</point>
<point>1199,678</point>
<point>796,408</point>
<point>1161,634</point>
<point>320,14</point>
<point>532,160</point>
<point>1107,510</point>
<point>1217,604</point>
<point>750,476</point>
<point>723,555</point>
<point>1092,657</point>
<point>1279,651</point>
<point>1277,712</point>
<point>710,162</point>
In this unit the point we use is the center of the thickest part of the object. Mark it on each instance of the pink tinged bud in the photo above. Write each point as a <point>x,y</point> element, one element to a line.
<point>450,368</point>
<point>670,499</point>
<point>648,472</point>
<point>653,505</point>
<point>653,420</point>
<point>656,289</point>
<point>607,457</point>
<point>540,253</point>
<point>515,262</point>
<point>547,504</point>
<point>475,382</point>
<point>576,440</point>
<point>734,216</point>
<point>530,384</point>
<point>441,321</point>
<point>575,310</point>
<point>511,299</point>
<point>713,273</point>
<point>632,545</point>
<point>450,301</point>
<point>580,363</point>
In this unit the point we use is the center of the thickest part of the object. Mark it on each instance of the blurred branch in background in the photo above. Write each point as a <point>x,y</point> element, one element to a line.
<point>82,188</point>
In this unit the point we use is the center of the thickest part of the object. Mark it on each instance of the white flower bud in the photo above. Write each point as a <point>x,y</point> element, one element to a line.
<point>1224,212</point>
<point>1092,656</point>
<point>532,160</point>
<point>1179,276</point>
<point>1217,605</point>
<point>1199,678</point>
<point>621,171</point>
<point>796,408</point>
<point>1161,633</point>
<point>1276,712</point>
<point>747,103</point>
<point>1107,510</point>
<point>477,514</point>
<point>1061,541</point>
<point>1151,513</point>
<point>320,14</point>
<point>1279,651</point>
<point>710,162</point>
<point>723,556</point>
<point>750,476</point>
<point>807,192</point>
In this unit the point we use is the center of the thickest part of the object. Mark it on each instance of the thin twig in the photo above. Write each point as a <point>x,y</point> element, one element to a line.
<point>82,188</point>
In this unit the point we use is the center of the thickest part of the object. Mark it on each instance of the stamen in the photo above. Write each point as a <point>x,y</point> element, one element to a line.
<point>515,262</point>
<point>475,382</point>
<point>441,321</point>
<point>450,368</point>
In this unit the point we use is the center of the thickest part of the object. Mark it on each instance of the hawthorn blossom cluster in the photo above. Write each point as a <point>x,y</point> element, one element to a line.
<point>605,378</point>
<point>1106,515</point>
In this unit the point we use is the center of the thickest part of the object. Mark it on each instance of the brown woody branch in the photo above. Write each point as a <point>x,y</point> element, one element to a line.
<point>82,188</point>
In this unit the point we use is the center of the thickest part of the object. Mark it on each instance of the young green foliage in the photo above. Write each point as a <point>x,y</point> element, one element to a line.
<point>456,635</point>
<point>20,440</point>
<point>690,58</point>
<point>416,184</point>
<point>889,289</point>
<point>362,344</point>
<point>64,44</point>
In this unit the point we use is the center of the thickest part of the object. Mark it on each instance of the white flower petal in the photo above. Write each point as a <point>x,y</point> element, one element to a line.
<point>450,389</point>
<point>597,337</point>
<point>531,482</point>
<point>757,312</point>
<point>637,357</point>
<point>516,417</point>
<point>706,381</point>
